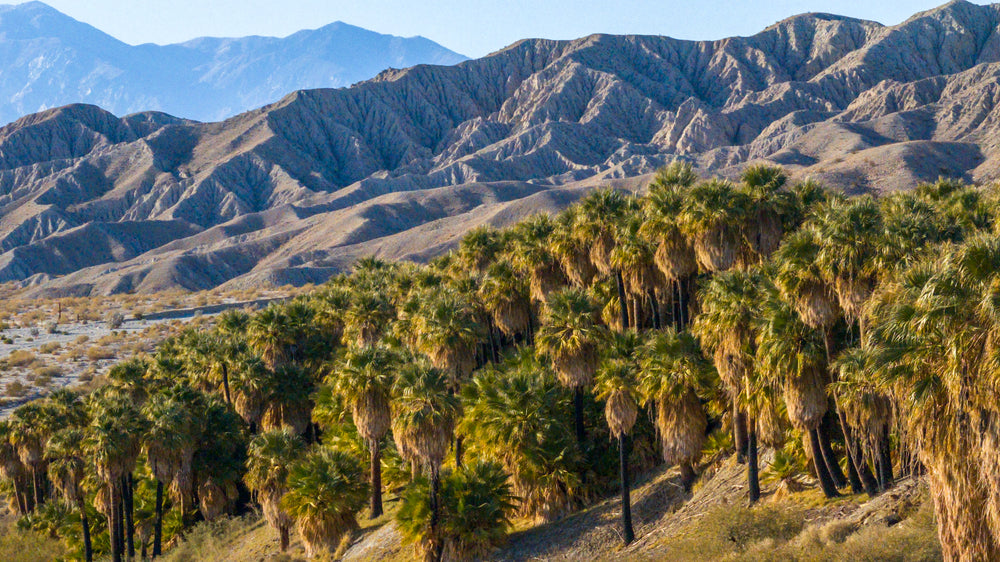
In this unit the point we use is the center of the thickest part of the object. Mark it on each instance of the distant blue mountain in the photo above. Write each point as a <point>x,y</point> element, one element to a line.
<point>48,59</point>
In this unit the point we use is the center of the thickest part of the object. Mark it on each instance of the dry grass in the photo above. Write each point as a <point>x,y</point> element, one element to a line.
<point>779,532</point>
<point>20,358</point>
<point>26,546</point>
<point>97,353</point>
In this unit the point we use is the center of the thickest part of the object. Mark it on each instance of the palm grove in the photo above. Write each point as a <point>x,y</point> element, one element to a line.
<point>537,368</point>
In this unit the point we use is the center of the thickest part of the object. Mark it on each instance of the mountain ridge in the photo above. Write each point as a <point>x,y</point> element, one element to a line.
<point>51,59</point>
<point>402,164</point>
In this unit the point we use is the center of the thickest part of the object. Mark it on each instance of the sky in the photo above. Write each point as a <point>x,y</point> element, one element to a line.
<point>471,27</point>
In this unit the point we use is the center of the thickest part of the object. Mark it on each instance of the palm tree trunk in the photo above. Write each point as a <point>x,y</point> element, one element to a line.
<point>114,526</point>
<point>458,451</point>
<point>627,531</point>
<point>656,309</point>
<point>885,460</point>
<point>852,472</point>
<point>687,475</point>
<point>856,460</point>
<point>621,299</point>
<point>436,512</point>
<point>158,522</point>
<point>753,472</point>
<point>740,433</point>
<point>20,496</point>
<point>225,382</point>
<point>376,470</point>
<point>36,482</point>
<point>829,457</point>
<point>129,498</point>
<point>283,538</point>
<point>493,345</point>
<point>825,480</point>
<point>581,433</point>
<point>88,549</point>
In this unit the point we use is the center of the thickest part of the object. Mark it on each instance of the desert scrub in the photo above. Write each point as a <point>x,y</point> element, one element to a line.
<point>97,353</point>
<point>776,533</point>
<point>51,347</point>
<point>20,358</point>
<point>15,389</point>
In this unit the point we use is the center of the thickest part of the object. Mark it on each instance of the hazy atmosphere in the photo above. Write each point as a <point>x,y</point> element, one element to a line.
<point>473,28</point>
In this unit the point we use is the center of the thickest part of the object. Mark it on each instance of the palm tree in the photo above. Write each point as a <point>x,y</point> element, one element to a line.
<point>793,357</point>
<point>713,219</point>
<point>287,401</point>
<point>220,460</point>
<point>270,334</point>
<point>531,252</point>
<point>13,469</point>
<point>769,208</point>
<point>849,235</point>
<point>169,444</point>
<point>633,256</point>
<point>67,464</point>
<point>931,328</point>
<point>673,377</point>
<point>570,336</point>
<point>601,215</point>
<point>326,488</point>
<point>572,251</point>
<point>425,413</point>
<point>867,408</point>
<point>31,426</point>
<point>251,381</point>
<point>479,248</point>
<point>269,457</point>
<point>515,415</point>
<point>113,442</point>
<point>505,295</point>
<point>367,317</point>
<point>364,379</point>
<point>616,386</point>
<point>725,329</point>
<point>447,332</point>
<point>674,254</point>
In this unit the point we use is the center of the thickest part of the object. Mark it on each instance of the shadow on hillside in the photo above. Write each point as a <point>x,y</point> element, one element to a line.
<point>594,532</point>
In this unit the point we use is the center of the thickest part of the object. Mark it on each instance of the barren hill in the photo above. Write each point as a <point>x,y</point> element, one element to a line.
<point>402,164</point>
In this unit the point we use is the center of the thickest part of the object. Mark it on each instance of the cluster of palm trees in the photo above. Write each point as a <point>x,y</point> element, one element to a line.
<point>538,367</point>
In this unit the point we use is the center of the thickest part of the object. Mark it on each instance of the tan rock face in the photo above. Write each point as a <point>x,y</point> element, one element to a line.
<point>403,164</point>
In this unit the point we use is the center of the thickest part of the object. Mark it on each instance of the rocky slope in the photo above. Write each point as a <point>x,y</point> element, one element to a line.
<point>402,164</point>
<point>49,59</point>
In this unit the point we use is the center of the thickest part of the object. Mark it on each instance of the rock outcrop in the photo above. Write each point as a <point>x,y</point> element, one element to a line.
<point>404,163</point>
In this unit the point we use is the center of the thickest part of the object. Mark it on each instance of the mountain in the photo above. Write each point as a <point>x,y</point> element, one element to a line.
<point>49,59</point>
<point>401,165</point>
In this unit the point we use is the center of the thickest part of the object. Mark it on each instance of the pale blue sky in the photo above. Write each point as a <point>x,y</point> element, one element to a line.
<point>471,27</point>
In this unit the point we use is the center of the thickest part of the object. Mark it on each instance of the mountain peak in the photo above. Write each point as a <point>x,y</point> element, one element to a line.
<point>50,59</point>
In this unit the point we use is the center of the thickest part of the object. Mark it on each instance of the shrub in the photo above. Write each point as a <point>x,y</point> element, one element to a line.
<point>81,339</point>
<point>115,320</point>
<point>49,371</point>
<point>50,347</point>
<point>15,389</point>
<point>97,353</point>
<point>20,358</point>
